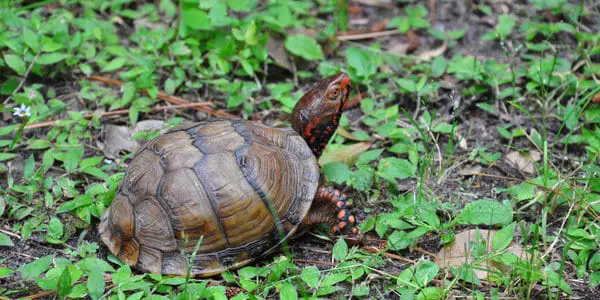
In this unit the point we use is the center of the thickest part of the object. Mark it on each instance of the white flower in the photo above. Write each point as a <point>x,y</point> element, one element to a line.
<point>22,111</point>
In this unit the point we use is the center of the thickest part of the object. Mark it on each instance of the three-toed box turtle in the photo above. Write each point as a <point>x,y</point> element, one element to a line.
<point>241,186</point>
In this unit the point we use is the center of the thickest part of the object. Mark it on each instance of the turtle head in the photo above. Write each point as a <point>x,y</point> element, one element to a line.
<point>317,114</point>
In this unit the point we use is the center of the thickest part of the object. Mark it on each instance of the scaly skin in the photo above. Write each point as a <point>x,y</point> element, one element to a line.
<point>315,118</point>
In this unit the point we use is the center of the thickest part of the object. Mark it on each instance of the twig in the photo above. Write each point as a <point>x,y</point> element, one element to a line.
<point>375,250</point>
<point>119,112</point>
<point>425,251</point>
<point>562,226</point>
<point>315,262</point>
<point>165,97</point>
<point>11,234</point>
<point>369,35</point>
<point>375,3</point>
<point>431,11</point>
<point>25,75</point>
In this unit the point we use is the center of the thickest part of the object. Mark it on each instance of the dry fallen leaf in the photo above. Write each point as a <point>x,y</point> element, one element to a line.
<point>596,98</point>
<point>345,154</point>
<point>278,54</point>
<point>398,48</point>
<point>430,54</point>
<point>470,170</point>
<point>117,139</point>
<point>460,251</point>
<point>523,162</point>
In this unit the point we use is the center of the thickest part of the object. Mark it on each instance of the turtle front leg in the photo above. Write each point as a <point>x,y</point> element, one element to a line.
<point>331,207</point>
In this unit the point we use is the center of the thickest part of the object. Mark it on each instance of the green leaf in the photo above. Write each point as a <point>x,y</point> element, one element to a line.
<point>594,279</point>
<point>36,267</point>
<point>29,167</point>
<point>55,228</point>
<point>503,237</point>
<point>168,7</point>
<point>5,272</point>
<point>399,240</point>
<point>6,156</point>
<point>31,39</point>
<point>241,5</point>
<point>196,19</point>
<point>37,144</point>
<point>114,64</point>
<point>95,283</point>
<point>337,172</point>
<point>334,278</point>
<point>431,292</point>
<point>340,249</point>
<point>368,156</point>
<point>304,46</point>
<point>391,168</point>
<point>5,240</point>
<point>311,275</point>
<point>485,212</point>
<point>63,287</point>
<point>51,58</point>
<point>408,85</point>
<point>72,158</point>
<point>505,25</point>
<point>16,63</point>
<point>122,275</point>
<point>360,63</point>
<point>288,292</point>
<point>425,272</point>
<point>9,86</point>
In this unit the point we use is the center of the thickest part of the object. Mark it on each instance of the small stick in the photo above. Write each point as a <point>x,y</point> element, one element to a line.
<point>315,262</point>
<point>369,35</point>
<point>119,112</point>
<point>25,75</point>
<point>165,97</point>
<point>375,3</point>
<point>425,251</point>
<point>11,234</point>
<point>390,255</point>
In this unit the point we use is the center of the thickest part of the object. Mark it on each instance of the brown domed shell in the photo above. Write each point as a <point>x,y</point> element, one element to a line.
<point>241,186</point>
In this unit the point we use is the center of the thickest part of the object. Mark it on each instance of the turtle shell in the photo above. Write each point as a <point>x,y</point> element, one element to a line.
<point>239,187</point>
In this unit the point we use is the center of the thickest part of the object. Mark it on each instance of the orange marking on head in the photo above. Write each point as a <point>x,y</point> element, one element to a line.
<point>308,129</point>
<point>341,214</point>
<point>345,82</point>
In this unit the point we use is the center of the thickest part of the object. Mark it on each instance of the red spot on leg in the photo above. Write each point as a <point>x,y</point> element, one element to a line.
<point>351,219</point>
<point>341,214</point>
<point>341,225</point>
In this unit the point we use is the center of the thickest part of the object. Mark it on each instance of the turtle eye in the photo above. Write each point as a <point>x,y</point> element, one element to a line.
<point>334,93</point>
